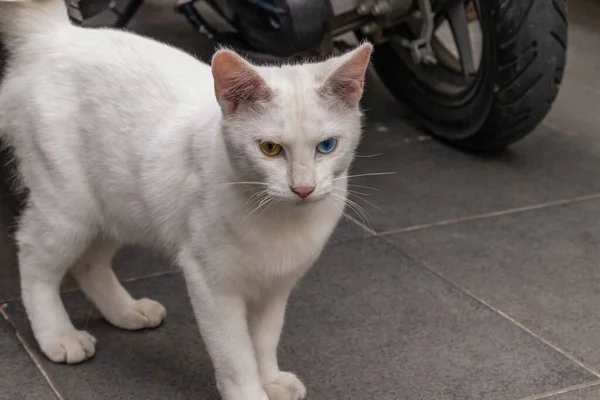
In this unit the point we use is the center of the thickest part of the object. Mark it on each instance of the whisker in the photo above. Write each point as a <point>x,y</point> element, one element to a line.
<point>249,190</point>
<point>369,155</point>
<point>268,205</point>
<point>361,210</point>
<point>358,175</point>
<point>259,193</point>
<point>369,203</point>
<point>265,200</point>
<point>355,192</point>
<point>364,218</point>
<point>254,210</point>
<point>336,197</point>
<point>256,196</point>
<point>358,209</point>
<point>340,209</point>
<point>364,187</point>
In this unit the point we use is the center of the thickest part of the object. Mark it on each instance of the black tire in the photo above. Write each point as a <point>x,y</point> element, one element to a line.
<point>130,10</point>
<point>523,59</point>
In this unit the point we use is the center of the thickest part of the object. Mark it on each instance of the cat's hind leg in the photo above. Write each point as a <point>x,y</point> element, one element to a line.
<point>49,243</point>
<point>100,284</point>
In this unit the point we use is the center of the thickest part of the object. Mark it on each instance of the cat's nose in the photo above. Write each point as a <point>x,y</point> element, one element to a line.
<point>303,191</point>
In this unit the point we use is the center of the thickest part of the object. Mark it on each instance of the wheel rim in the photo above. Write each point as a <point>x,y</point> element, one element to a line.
<point>460,48</point>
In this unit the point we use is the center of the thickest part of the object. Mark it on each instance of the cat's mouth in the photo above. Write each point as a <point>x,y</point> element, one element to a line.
<point>297,201</point>
<point>310,200</point>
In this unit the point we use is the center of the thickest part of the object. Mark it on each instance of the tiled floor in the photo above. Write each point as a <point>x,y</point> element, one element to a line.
<point>478,281</point>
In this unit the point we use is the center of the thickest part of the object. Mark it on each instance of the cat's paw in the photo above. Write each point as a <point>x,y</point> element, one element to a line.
<point>71,347</point>
<point>142,313</point>
<point>287,386</point>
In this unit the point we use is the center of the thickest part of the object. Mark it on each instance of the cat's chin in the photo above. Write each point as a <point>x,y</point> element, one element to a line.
<point>309,201</point>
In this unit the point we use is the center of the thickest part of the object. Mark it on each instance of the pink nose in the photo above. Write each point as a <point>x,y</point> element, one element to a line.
<point>302,191</point>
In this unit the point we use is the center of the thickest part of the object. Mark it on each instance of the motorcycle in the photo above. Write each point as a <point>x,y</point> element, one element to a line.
<point>477,74</point>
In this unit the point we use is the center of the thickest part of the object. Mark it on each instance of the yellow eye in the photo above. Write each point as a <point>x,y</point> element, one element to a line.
<point>270,149</point>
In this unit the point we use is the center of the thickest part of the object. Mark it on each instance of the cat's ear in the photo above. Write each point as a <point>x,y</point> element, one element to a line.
<point>237,84</point>
<point>347,81</point>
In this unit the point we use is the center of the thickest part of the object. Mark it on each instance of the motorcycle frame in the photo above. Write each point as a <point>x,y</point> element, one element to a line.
<point>371,16</point>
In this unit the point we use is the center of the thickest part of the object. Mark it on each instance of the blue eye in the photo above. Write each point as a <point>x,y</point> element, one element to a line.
<point>327,145</point>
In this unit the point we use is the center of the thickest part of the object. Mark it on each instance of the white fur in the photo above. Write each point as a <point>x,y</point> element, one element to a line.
<point>120,140</point>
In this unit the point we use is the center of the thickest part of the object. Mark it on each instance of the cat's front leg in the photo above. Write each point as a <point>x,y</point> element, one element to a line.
<point>266,319</point>
<point>221,315</point>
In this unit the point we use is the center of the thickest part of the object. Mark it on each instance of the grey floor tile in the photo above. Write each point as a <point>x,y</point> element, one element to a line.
<point>366,323</point>
<point>575,110</point>
<point>348,230</point>
<point>9,277</point>
<point>434,182</point>
<point>588,393</point>
<point>129,263</point>
<point>592,393</point>
<point>540,267</point>
<point>20,379</point>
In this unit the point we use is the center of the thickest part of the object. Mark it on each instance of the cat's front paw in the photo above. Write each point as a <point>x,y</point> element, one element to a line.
<point>286,386</point>
<point>143,313</point>
<point>71,347</point>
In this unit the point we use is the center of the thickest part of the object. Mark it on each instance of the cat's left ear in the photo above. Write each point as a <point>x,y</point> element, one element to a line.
<point>237,84</point>
<point>347,81</point>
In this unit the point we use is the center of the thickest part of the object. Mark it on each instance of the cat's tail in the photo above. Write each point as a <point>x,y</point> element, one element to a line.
<point>21,20</point>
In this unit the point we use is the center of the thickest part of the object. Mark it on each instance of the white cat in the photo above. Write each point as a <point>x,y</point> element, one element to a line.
<point>240,175</point>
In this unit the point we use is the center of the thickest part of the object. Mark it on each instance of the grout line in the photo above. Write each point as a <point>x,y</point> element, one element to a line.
<point>30,352</point>
<point>555,347</point>
<point>532,333</point>
<point>349,240</point>
<point>151,275</point>
<point>360,224</point>
<point>92,307</point>
<point>535,335</point>
<point>555,127</point>
<point>509,211</point>
<point>562,391</point>
<point>127,280</point>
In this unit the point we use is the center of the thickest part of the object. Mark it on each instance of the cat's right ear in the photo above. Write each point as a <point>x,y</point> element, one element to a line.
<point>347,82</point>
<point>237,84</point>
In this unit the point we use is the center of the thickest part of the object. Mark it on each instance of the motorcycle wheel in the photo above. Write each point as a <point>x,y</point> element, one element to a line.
<point>486,104</point>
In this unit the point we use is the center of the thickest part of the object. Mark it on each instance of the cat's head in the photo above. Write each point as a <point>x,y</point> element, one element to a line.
<point>292,129</point>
